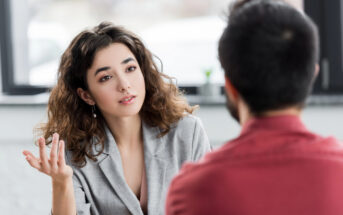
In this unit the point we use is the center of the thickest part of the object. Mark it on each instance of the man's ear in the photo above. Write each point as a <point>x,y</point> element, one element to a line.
<point>85,96</point>
<point>316,72</point>
<point>231,90</point>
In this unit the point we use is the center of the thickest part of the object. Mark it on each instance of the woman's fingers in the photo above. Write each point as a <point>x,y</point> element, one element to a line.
<point>61,159</point>
<point>53,152</point>
<point>53,165</point>
<point>32,160</point>
<point>42,153</point>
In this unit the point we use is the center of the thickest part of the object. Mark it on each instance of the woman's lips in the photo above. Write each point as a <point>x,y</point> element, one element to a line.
<point>127,100</point>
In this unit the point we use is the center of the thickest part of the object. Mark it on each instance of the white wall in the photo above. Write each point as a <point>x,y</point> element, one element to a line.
<point>17,122</point>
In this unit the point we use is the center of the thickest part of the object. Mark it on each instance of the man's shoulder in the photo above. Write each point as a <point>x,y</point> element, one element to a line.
<point>328,145</point>
<point>241,149</point>
<point>202,169</point>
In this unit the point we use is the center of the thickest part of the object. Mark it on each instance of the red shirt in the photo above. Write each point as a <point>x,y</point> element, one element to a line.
<point>276,166</point>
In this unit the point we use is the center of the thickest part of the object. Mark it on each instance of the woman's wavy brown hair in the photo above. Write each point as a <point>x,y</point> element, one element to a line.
<point>72,118</point>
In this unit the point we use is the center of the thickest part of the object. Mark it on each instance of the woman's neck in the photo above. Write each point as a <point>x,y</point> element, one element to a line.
<point>127,131</point>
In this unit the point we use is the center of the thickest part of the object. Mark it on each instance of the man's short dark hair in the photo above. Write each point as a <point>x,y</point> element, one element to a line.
<point>269,51</point>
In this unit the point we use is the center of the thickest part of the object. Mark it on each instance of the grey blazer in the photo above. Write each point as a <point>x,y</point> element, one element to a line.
<point>100,187</point>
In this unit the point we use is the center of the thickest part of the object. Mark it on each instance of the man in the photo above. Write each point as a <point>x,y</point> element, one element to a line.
<point>276,166</point>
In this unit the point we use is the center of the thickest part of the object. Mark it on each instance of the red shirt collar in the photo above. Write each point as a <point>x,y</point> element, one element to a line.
<point>281,123</point>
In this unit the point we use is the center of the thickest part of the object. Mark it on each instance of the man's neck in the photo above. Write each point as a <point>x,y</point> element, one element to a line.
<point>245,115</point>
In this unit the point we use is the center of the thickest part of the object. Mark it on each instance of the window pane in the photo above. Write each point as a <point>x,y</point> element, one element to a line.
<point>19,21</point>
<point>182,33</point>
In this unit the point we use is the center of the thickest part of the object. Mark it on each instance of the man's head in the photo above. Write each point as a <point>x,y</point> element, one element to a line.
<point>269,52</point>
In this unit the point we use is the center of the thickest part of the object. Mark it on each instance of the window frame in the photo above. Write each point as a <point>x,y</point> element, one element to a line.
<point>8,84</point>
<point>328,17</point>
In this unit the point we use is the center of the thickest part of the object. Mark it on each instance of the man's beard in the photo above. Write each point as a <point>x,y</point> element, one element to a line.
<point>232,108</point>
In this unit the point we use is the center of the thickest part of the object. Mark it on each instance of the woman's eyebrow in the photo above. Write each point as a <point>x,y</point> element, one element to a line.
<point>101,69</point>
<point>127,60</point>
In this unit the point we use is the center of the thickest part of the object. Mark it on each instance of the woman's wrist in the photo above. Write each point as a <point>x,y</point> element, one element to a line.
<point>62,184</point>
<point>63,201</point>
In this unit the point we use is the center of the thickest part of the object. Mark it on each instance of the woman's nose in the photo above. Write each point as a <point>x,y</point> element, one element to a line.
<point>123,85</point>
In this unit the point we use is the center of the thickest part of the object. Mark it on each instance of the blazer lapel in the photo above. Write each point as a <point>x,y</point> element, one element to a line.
<point>112,168</point>
<point>155,167</point>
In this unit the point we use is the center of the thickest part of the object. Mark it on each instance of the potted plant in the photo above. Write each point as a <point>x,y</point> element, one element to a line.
<point>208,89</point>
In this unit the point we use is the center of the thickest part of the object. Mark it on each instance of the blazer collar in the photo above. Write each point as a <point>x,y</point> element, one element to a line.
<point>152,143</point>
<point>111,165</point>
<point>156,167</point>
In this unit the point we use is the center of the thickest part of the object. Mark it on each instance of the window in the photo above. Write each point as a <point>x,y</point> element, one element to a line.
<point>328,17</point>
<point>182,33</point>
<point>8,77</point>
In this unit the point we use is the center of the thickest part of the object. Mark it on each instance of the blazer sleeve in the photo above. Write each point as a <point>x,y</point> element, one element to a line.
<point>201,144</point>
<point>82,207</point>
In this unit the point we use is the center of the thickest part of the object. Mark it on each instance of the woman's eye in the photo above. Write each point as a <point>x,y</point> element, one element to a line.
<point>131,69</point>
<point>105,78</point>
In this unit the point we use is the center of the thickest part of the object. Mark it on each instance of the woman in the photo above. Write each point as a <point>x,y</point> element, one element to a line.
<point>126,126</point>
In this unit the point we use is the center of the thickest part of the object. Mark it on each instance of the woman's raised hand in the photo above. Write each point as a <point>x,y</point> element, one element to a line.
<point>55,166</point>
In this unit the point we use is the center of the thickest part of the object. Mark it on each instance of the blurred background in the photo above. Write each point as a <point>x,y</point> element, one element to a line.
<point>182,33</point>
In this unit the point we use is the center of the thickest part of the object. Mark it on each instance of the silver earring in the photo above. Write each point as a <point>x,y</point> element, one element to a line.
<point>93,111</point>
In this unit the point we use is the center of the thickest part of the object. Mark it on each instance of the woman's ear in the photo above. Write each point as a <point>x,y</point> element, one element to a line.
<point>85,96</point>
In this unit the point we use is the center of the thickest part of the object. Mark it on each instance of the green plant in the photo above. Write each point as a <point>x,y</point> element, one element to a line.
<point>208,73</point>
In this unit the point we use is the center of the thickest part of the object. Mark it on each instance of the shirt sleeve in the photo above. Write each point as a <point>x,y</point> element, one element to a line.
<point>191,194</point>
<point>183,196</point>
<point>201,144</point>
